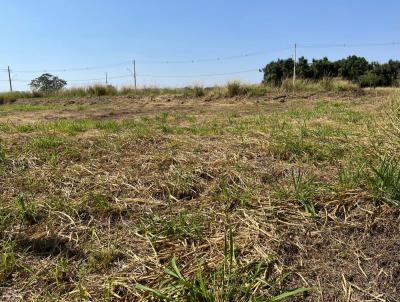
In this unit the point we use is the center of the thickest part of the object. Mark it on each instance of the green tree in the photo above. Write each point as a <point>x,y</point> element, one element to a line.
<point>323,68</point>
<point>353,67</point>
<point>303,68</point>
<point>276,71</point>
<point>390,72</point>
<point>370,79</point>
<point>47,83</point>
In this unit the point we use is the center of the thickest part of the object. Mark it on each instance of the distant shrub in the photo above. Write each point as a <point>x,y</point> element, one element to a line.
<point>236,88</point>
<point>126,90</point>
<point>370,79</point>
<point>73,92</point>
<point>100,90</point>
<point>193,91</point>
<point>198,91</point>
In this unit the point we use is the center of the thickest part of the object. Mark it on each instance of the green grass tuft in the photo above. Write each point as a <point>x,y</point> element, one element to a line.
<point>229,282</point>
<point>47,142</point>
<point>385,180</point>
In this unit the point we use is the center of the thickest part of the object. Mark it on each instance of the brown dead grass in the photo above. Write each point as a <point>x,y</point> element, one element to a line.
<point>103,201</point>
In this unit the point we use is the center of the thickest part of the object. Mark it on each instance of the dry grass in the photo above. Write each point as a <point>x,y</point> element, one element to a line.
<point>230,89</point>
<point>252,201</point>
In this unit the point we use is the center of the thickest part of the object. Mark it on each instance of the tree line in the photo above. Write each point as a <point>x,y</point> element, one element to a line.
<point>353,68</point>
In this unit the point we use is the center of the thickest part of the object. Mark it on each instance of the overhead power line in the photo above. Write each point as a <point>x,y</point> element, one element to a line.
<point>344,45</point>
<point>75,68</point>
<point>188,61</point>
<point>157,76</point>
<point>212,59</point>
<point>199,75</point>
<point>215,59</point>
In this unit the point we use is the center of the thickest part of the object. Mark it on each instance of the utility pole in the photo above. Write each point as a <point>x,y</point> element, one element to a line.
<point>106,79</point>
<point>9,78</point>
<point>294,64</point>
<point>134,72</point>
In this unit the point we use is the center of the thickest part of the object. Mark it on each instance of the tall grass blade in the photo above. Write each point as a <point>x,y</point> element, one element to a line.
<point>287,294</point>
<point>153,291</point>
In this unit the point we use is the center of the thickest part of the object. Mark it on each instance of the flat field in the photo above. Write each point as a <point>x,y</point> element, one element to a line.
<point>283,196</point>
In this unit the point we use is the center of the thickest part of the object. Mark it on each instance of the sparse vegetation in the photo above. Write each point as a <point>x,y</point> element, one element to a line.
<point>247,193</point>
<point>385,181</point>
<point>231,89</point>
<point>229,282</point>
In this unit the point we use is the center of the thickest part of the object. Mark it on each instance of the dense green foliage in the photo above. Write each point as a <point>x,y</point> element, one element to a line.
<point>353,68</point>
<point>47,83</point>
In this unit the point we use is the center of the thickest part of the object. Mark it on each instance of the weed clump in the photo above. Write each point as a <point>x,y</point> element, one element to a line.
<point>232,192</point>
<point>8,262</point>
<point>184,226</point>
<point>385,180</point>
<point>27,211</point>
<point>47,142</point>
<point>228,282</point>
<point>236,88</point>
<point>2,155</point>
<point>101,90</point>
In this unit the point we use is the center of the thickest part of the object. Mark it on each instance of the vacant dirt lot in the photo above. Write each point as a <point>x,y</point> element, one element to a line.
<point>253,197</point>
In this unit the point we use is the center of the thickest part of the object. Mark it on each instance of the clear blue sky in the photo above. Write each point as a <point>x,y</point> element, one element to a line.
<point>47,35</point>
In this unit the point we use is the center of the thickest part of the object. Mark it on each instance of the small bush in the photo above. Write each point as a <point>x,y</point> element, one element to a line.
<point>370,79</point>
<point>236,88</point>
<point>73,92</point>
<point>193,91</point>
<point>100,90</point>
<point>127,90</point>
<point>198,91</point>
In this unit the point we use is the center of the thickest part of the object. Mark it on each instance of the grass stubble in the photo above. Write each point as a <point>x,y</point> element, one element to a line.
<point>297,204</point>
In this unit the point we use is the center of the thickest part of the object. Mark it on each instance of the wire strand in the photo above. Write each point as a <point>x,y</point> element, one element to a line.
<point>199,75</point>
<point>344,45</point>
<point>191,61</point>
